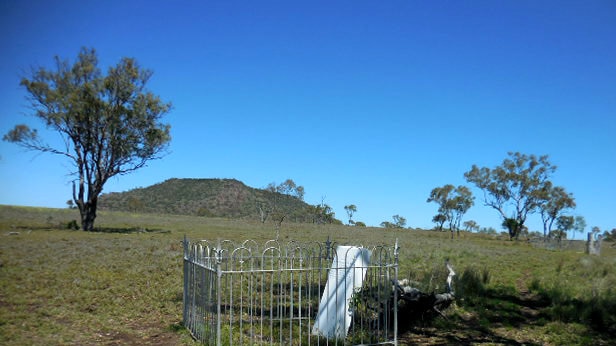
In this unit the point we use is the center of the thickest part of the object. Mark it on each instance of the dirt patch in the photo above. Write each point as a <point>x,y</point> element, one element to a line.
<point>143,334</point>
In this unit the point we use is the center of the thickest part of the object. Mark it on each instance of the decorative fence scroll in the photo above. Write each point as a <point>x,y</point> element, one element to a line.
<point>289,293</point>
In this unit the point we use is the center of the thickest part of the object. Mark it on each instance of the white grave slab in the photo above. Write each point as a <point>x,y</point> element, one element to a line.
<point>347,273</point>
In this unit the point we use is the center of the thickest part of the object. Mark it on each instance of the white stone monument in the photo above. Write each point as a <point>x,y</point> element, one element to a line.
<point>346,274</point>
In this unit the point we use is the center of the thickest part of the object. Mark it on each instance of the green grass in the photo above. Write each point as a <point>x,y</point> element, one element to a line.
<point>59,286</point>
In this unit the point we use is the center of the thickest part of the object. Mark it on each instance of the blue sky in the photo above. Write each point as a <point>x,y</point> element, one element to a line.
<point>372,103</point>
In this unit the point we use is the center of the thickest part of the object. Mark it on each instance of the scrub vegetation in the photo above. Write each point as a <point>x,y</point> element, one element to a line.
<point>123,284</point>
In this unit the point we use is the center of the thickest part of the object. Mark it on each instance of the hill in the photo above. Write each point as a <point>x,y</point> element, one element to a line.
<point>212,198</point>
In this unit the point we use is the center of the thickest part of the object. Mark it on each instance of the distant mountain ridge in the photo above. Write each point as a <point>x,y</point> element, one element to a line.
<point>207,197</point>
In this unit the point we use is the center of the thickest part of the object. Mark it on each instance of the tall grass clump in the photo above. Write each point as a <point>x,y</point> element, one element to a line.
<point>472,284</point>
<point>581,293</point>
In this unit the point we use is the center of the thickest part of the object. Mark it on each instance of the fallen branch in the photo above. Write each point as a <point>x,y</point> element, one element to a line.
<point>413,303</point>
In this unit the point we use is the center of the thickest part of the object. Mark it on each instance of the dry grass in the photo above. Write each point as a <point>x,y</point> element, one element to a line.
<point>60,287</point>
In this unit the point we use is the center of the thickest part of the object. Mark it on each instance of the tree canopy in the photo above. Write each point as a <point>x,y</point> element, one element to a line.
<point>517,186</point>
<point>554,200</point>
<point>471,225</point>
<point>453,203</point>
<point>350,209</point>
<point>109,124</point>
<point>287,187</point>
<point>398,222</point>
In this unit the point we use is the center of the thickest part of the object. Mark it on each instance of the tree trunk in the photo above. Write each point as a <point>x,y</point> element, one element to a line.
<point>88,215</point>
<point>87,209</point>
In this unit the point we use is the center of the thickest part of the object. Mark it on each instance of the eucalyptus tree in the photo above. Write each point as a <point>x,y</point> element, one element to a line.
<point>517,184</point>
<point>608,235</point>
<point>109,124</point>
<point>579,225</point>
<point>287,187</point>
<point>461,202</point>
<point>323,213</point>
<point>554,201</point>
<point>439,219</point>
<point>453,203</point>
<point>398,222</point>
<point>273,207</point>
<point>564,224</point>
<point>471,225</point>
<point>350,209</point>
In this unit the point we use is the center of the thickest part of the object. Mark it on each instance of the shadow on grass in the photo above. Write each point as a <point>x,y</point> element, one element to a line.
<point>503,315</point>
<point>493,309</point>
<point>595,311</point>
<point>489,315</point>
<point>128,230</point>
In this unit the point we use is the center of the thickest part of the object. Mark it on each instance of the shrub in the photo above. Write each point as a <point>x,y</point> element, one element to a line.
<point>72,225</point>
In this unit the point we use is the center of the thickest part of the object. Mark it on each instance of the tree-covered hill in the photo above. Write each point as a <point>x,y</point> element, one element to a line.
<point>212,198</point>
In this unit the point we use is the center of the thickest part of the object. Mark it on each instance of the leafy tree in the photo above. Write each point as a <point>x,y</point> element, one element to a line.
<point>553,201</point>
<point>609,236</point>
<point>399,221</point>
<point>109,124</point>
<point>359,224</point>
<point>564,224</point>
<point>350,209</point>
<point>462,201</point>
<point>299,193</point>
<point>453,203</point>
<point>439,219</point>
<point>287,187</point>
<point>518,183</point>
<point>272,208</point>
<point>579,224</point>
<point>323,213</point>
<point>470,225</point>
<point>509,223</point>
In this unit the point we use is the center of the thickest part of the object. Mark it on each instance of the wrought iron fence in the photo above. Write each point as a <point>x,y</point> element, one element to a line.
<point>290,294</point>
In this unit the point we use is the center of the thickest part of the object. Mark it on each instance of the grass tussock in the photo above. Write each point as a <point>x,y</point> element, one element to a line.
<point>66,287</point>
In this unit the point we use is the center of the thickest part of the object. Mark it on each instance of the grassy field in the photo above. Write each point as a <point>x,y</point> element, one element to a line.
<point>64,287</point>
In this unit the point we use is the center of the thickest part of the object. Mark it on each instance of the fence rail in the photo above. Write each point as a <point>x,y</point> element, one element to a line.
<point>277,294</point>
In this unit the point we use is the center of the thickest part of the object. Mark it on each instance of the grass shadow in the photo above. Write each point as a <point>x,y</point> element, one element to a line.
<point>595,310</point>
<point>480,311</point>
<point>128,230</point>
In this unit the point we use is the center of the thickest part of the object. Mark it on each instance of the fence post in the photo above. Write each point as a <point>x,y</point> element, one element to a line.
<point>219,293</point>
<point>396,252</point>
<point>187,279</point>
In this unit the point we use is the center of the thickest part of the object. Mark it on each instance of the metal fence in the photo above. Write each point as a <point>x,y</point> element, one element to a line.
<point>289,294</point>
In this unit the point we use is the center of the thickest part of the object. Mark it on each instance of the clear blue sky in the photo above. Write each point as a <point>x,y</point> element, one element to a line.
<point>372,103</point>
